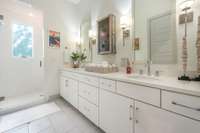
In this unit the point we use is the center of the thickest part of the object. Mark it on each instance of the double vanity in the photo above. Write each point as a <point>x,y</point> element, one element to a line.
<point>120,103</point>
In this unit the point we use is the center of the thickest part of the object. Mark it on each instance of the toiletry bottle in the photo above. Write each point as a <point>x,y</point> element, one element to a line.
<point>128,68</point>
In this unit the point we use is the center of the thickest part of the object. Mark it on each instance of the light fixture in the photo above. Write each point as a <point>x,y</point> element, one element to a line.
<point>125,25</point>
<point>92,37</point>
<point>186,4</point>
<point>124,22</point>
<point>77,40</point>
<point>92,41</point>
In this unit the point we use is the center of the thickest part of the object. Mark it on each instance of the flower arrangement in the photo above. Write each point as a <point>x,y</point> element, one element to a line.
<point>77,58</point>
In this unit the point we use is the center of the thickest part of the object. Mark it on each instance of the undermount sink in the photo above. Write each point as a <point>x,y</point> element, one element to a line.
<point>143,77</point>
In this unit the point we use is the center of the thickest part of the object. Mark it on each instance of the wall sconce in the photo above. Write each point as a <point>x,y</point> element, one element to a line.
<point>186,5</point>
<point>125,25</point>
<point>92,41</point>
<point>92,37</point>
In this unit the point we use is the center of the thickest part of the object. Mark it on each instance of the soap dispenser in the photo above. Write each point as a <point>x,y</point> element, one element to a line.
<point>128,67</point>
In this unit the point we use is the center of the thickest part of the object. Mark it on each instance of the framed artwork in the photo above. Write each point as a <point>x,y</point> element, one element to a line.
<point>107,35</point>
<point>54,39</point>
<point>136,44</point>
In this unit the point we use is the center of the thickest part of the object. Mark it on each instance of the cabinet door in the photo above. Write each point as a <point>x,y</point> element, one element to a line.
<point>72,90</point>
<point>69,90</point>
<point>150,119</point>
<point>116,113</point>
<point>64,88</point>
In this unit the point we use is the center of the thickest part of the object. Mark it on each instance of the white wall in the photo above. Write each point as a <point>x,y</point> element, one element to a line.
<point>61,16</point>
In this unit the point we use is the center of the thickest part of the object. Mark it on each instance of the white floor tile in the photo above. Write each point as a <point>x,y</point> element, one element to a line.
<point>22,129</point>
<point>61,122</point>
<point>39,125</point>
<point>22,117</point>
<point>67,120</point>
<point>48,130</point>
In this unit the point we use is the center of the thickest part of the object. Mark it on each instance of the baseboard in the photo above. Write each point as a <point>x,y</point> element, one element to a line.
<point>53,97</point>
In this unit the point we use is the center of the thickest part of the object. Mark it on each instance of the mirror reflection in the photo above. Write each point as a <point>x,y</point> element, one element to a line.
<point>85,39</point>
<point>155,31</point>
<point>166,33</point>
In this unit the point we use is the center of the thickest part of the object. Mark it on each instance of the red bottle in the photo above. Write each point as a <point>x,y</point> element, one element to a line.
<point>128,68</point>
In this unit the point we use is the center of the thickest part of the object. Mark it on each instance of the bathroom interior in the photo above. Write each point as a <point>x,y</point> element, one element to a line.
<point>99,66</point>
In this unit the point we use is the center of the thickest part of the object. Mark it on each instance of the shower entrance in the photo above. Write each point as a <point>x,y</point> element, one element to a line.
<point>21,50</point>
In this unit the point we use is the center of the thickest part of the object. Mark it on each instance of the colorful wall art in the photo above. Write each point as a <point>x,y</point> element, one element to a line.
<point>54,39</point>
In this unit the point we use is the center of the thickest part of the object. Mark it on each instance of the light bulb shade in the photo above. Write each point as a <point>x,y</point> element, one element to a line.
<point>124,21</point>
<point>186,4</point>
<point>77,40</point>
<point>92,34</point>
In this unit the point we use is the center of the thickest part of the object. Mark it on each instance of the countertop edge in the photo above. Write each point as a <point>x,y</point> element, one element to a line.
<point>125,79</point>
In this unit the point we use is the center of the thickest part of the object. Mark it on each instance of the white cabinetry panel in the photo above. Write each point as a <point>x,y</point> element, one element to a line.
<point>89,92</point>
<point>116,113</point>
<point>142,93</point>
<point>150,119</point>
<point>182,104</point>
<point>89,110</point>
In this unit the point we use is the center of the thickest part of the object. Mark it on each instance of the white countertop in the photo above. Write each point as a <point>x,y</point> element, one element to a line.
<point>164,83</point>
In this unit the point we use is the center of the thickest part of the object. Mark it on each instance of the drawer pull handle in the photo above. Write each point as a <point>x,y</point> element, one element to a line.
<point>66,83</point>
<point>185,106</point>
<point>131,113</point>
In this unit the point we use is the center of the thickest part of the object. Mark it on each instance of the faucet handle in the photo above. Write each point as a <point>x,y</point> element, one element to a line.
<point>149,62</point>
<point>157,73</point>
<point>141,72</point>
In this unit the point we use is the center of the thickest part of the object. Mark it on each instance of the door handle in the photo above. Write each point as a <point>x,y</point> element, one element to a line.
<point>131,112</point>
<point>66,83</point>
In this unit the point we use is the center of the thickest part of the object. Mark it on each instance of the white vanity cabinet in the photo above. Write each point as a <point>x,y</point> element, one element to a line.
<point>151,119</point>
<point>125,107</point>
<point>115,113</point>
<point>69,90</point>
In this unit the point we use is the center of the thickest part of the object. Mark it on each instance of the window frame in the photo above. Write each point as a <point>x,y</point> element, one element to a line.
<point>12,37</point>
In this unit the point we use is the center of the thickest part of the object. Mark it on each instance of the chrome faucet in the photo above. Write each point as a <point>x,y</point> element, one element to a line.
<point>149,67</point>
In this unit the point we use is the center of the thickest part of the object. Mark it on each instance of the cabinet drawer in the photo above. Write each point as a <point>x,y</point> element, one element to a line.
<point>89,92</point>
<point>142,93</point>
<point>181,104</point>
<point>109,85</point>
<point>89,110</point>
<point>70,75</point>
<point>89,80</point>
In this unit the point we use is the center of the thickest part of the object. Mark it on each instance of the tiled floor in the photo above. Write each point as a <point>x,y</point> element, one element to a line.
<point>66,121</point>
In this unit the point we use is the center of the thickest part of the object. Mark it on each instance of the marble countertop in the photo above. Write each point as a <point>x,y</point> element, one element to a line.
<point>163,83</point>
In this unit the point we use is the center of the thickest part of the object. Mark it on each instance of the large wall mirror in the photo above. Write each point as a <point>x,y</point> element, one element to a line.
<point>155,31</point>
<point>159,28</point>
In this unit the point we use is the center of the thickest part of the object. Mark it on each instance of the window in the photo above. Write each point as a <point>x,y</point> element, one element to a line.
<point>22,41</point>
